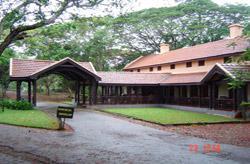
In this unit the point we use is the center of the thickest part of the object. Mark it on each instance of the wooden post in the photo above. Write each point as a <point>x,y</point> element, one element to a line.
<point>210,96</point>
<point>200,91</point>
<point>76,87</point>
<point>90,94</point>
<point>93,92</point>
<point>29,91</point>
<point>18,90</point>
<point>213,96</point>
<point>78,92</point>
<point>34,92</point>
<point>83,94</point>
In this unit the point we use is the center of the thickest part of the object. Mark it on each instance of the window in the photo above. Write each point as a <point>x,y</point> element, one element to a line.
<point>189,64</point>
<point>227,60</point>
<point>131,70</point>
<point>151,69</point>
<point>138,70</point>
<point>201,62</point>
<point>172,66</point>
<point>159,68</point>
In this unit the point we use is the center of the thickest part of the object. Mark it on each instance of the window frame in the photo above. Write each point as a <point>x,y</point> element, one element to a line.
<point>189,64</point>
<point>201,61</point>
<point>159,68</point>
<point>172,66</point>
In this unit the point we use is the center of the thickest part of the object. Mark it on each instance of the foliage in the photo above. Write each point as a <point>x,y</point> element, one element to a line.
<point>240,76</point>
<point>111,42</point>
<point>245,104</point>
<point>15,105</point>
<point>190,23</point>
<point>28,118</point>
<point>4,70</point>
<point>238,80</point>
<point>168,116</point>
<point>18,17</point>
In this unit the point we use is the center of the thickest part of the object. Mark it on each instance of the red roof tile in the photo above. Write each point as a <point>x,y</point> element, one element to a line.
<point>134,78</point>
<point>27,67</point>
<point>211,49</point>
<point>183,78</point>
<point>131,78</point>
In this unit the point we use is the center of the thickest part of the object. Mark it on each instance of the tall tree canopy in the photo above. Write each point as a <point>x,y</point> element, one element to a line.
<point>18,17</point>
<point>114,41</point>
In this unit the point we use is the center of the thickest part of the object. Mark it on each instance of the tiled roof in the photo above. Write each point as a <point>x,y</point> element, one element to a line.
<point>149,78</point>
<point>228,69</point>
<point>27,67</point>
<point>233,68</point>
<point>183,78</point>
<point>211,49</point>
<point>131,78</point>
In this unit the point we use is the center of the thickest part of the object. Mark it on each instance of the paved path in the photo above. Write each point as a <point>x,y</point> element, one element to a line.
<point>99,138</point>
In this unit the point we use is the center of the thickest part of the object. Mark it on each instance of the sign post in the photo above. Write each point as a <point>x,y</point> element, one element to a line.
<point>64,112</point>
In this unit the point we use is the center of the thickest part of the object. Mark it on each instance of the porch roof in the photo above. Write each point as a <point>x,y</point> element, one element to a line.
<point>228,69</point>
<point>25,68</point>
<point>183,79</point>
<point>131,78</point>
<point>134,78</point>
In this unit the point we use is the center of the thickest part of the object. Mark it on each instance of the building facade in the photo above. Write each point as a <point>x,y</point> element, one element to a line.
<point>191,76</point>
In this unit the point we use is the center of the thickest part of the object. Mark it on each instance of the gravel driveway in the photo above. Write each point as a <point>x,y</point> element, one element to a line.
<point>100,138</point>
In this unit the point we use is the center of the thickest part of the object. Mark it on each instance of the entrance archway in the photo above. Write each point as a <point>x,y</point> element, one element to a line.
<point>83,73</point>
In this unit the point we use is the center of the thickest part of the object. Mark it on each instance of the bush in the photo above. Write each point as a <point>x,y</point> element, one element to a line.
<point>245,104</point>
<point>16,105</point>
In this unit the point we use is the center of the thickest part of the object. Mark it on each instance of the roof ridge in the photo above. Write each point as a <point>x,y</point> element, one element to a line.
<point>129,72</point>
<point>34,60</point>
<point>198,45</point>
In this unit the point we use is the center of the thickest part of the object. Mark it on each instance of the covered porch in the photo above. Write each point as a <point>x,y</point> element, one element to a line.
<point>130,94</point>
<point>29,71</point>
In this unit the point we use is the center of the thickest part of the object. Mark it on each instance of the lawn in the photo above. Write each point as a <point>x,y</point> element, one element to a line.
<point>169,116</point>
<point>29,118</point>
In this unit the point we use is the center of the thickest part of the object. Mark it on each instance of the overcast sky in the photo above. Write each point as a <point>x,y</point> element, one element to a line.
<point>142,4</point>
<point>136,5</point>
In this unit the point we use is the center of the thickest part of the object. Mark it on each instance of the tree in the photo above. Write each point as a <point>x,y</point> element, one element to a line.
<point>18,17</point>
<point>86,39</point>
<point>4,71</point>
<point>190,23</point>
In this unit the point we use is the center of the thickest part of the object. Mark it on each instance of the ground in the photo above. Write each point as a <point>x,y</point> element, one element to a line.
<point>101,138</point>
<point>30,118</point>
<point>169,116</point>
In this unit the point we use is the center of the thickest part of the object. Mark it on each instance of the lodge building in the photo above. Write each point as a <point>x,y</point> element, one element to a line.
<point>190,76</point>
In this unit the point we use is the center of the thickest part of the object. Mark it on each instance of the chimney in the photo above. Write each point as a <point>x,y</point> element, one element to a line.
<point>164,48</point>
<point>235,30</point>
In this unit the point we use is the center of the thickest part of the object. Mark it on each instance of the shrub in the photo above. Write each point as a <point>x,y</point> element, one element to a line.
<point>17,105</point>
<point>245,104</point>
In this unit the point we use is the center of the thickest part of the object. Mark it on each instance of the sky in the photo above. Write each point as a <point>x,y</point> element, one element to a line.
<point>143,4</point>
<point>136,5</point>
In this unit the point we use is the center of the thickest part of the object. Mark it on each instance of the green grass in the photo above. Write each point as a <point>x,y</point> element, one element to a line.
<point>169,116</point>
<point>29,118</point>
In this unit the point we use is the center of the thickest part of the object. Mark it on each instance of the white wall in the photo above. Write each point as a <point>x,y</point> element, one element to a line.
<point>223,90</point>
